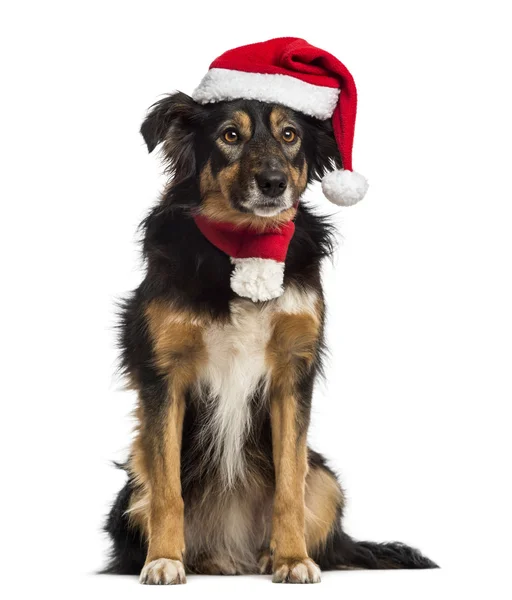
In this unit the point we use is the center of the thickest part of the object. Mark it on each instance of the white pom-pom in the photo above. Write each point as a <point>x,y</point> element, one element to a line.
<point>259,279</point>
<point>344,188</point>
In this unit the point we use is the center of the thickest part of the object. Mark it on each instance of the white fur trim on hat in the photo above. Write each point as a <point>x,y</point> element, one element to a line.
<point>227,84</point>
<point>259,279</point>
<point>344,188</point>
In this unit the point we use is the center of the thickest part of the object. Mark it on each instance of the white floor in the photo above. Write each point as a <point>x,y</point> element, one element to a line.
<point>355,585</point>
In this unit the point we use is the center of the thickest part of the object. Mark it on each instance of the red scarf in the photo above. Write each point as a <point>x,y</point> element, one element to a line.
<point>243,242</point>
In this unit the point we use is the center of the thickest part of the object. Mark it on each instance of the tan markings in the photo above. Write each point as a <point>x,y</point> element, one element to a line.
<point>138,509</point>
<point>207,182</point>
<point>226,177</point>
<point>157,506</point>
<point>177,343</point>
<point>323,497</point>
<point>243,123</point>
<point>138,467</point>
<point>291,349</point>
<point>216,206</point>
<point>215,194</point>
<point>166,535</point>
<point>299,177</point>
<point>290,462</point>
<point>278,118</point>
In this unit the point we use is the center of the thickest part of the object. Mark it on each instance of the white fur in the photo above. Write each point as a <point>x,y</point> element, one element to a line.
<point>163,571</point>
<point>227,84</point>
<point>259,279</point>
<point>296,301</point>
<point>236,368</point>
<point>305,571</point>
<point>268,211</point>
<point>344,188</point>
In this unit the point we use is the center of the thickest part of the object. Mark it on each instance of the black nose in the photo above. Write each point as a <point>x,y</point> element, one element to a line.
<point>271,182</point>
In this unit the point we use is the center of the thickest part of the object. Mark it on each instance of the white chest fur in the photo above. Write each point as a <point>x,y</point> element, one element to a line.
<point>236,369</point>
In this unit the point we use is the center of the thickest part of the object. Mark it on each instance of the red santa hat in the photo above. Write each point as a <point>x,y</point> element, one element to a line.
<point>291,72</point>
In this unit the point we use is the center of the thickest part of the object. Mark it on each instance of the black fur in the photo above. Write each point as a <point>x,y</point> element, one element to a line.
<point>128,548</point>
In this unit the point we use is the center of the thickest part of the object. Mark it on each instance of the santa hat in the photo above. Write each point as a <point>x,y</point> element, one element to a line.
<point>291,72</point>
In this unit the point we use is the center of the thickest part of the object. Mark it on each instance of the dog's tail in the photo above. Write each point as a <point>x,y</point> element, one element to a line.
<point>345,553</point>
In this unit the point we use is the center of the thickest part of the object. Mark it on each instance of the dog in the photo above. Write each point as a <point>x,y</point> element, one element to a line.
<point>220,477</point>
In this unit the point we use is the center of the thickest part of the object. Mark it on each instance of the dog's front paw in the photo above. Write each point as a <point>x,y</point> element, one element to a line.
<point>163,571</point>
<point>292,570</point>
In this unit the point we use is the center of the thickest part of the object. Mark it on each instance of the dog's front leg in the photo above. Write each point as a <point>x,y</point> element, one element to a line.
<point>292,353</point>
<point>290,558</point>
<point>161,442</point>
<point>177,351</point>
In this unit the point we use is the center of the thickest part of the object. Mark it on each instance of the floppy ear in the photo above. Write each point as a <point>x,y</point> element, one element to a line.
<point>172,120</point>
<point>324,155</point>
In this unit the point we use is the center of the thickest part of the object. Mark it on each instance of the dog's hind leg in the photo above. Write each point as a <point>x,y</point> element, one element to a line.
<point>330,546</point>
<point>324,504</point>
<point>129,548</point>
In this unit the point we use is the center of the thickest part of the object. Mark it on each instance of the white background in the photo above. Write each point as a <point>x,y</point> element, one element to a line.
<point>414,413</point>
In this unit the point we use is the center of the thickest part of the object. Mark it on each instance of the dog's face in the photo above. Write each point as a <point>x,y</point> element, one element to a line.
<point>256,161</point>
<point>252,160</point>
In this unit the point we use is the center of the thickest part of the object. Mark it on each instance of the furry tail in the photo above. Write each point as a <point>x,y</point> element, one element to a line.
<point>392,555</point>
<point>345,553</point>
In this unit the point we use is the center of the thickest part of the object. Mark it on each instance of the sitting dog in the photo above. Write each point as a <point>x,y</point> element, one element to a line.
<point>223,340</point>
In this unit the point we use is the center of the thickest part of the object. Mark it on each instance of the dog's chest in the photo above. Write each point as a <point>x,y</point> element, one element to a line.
<point>236,371</point>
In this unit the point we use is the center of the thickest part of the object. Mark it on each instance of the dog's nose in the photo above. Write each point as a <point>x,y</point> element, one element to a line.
<point>271,182</point>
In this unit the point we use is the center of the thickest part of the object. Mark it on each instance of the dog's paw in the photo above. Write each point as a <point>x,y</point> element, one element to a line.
<point>296,571</point>
<point>163,571</point>
<point>265,562</point>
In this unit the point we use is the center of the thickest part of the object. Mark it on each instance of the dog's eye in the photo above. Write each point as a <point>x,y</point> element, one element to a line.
<point>289,134</point>
<point>230,135</point>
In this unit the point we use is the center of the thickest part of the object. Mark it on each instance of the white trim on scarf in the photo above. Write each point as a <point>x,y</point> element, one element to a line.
<point>259,279</point>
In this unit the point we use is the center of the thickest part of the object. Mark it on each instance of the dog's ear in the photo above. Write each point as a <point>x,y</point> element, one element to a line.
<point>173,120</point>
<point>323,154</point>
<point>163,114</point>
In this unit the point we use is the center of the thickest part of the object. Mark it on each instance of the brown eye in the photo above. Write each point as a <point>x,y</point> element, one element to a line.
<point>289,134</point>
<point>230,135</point>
